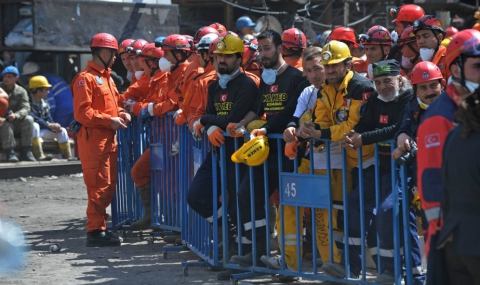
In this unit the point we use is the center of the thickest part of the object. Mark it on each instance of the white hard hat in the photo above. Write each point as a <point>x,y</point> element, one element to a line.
<point>30,68</point>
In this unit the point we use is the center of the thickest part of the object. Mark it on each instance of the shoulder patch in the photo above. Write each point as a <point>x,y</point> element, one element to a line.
<point>432,140</point>
<point>81,82</point>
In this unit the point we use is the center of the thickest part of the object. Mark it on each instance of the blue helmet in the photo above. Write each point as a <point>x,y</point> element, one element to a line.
<point>244,21</point>
<point>10,69</point>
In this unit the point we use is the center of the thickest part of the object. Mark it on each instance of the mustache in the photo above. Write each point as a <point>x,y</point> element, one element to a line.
<point>431,96</point>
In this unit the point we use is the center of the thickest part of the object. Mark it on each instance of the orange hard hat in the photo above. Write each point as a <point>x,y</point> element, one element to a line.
<point>376,35</point>
<point>425,71</point>
<point>407,13</point>
<point>407,36</point>
<point>294,39</point>
<point>104,40</point>
<point>450,32</point>
<point>219,27</point>
<point>122,48</point>
<point>465,42</point>
<point>344,34</point>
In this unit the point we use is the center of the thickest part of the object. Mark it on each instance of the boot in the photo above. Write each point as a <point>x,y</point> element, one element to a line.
<point>26,154</point>
<point>37,150</point>
<point>10,156</point>
<point>144,223</point>
<point>65,150</point>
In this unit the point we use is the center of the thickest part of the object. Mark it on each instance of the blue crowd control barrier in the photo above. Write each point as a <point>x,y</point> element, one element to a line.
<point>126,205</point>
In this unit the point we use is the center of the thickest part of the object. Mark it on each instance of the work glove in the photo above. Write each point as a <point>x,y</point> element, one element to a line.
<point>234,132</point>
<point>144,116</point>
<point>215,136</point>
<point>258,132</point>
<point>291,149</point>
<point>197,130</point>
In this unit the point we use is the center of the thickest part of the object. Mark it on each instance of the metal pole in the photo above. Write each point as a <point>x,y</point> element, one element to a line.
<point>346,12</point>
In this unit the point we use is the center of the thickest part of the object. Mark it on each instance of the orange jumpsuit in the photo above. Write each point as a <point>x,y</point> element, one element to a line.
<point>253,76</point>
<point>254,68</point>
<point>3,107</point>
<point>167,101</point>
<point>297,63</point>
<point>155,86</point>
<point>192,70</point>
<point>440,59</point>
<point>95,102</point>
<point>360,65</point>
<point>198,94</point>
<point>138,90</point>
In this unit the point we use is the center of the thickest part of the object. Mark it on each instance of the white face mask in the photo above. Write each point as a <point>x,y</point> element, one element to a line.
<point>223,79</point>
<point>139,74</point>
<point>406,62</point>
<point>370,71</point>
<point>165,65</point>
<point>421,104</point>
<point>471,86</point>
<point>390,98</point>
<point>426,54</point>
<point>270,75</point>
<point>129,75</point>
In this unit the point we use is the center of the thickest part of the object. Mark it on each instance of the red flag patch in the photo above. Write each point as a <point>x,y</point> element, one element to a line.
<point>366,95</point>
<point>223,97</point>
<point>383,119</point>
<point>273,88</point>
<point>432,140</point>
<point>81,82</point>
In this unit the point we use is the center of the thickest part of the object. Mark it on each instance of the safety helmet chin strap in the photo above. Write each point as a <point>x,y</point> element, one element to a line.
<point>153,69</point>
<point>183,57</point>
<point>105,64</point>
<point>417,54</point>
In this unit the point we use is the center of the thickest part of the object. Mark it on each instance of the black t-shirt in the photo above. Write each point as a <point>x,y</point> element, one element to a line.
<point>231,104</point>
<point>273,99</point>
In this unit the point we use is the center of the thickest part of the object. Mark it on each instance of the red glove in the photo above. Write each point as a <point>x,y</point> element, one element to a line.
<point>215,136</point>
<point>258,132</point>
<point>291,149</point>
<point>234,132</point>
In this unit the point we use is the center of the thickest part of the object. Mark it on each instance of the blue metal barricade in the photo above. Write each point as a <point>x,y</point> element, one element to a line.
<point>126,205</point>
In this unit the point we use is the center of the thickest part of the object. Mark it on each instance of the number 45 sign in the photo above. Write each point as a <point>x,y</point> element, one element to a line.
<point>309,190</point>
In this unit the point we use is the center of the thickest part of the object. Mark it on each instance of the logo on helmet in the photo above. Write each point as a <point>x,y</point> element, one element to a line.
<point>425,75</point>
<point>178,43</point>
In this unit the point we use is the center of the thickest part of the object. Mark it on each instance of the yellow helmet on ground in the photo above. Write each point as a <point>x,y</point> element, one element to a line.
<point>38,81</point>
<point>229,44</point>
<point>252,153</point>
<point>255,124</point>
<point>334,52</point>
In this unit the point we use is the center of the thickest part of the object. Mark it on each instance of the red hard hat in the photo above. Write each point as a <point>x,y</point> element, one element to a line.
<point>427,22</point>
<point>204,31</point>
<point>407,13</point>
<point>104,40</point>
<point>425,71</point>
<point>176,42</point>
<point>344,34</point>
<point>229,33</point>
<point>376,35</point>
<point>190,40</point>
<point>465,42</point>
<point>250,52</point>
<point>407,36</point>
<point>136,46</point>
<point>124,45</point>
<point>213,47</point>
<point>294,39</point>
<point>450,32</point>
<point>219,27</point>
<point>149,51</point>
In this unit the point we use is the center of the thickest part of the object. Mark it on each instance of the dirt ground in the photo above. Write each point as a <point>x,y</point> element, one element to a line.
<point>51,210</point>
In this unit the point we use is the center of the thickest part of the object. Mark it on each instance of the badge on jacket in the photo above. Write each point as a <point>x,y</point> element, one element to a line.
<point>99,80</point>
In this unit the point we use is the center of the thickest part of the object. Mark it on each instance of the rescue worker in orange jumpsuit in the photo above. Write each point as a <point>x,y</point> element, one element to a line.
<point>251,60</point>
<point>95,101</point>
<point>410,51</point>
<point>133,50</point>
<point>429,35</point>
<point>150,56</point>
<point>122,52</point>
<point>294,42</point>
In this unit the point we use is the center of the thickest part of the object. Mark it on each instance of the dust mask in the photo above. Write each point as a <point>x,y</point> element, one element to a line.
<point>270,75</point>
<point>426,54</point>
<point>165,65</point>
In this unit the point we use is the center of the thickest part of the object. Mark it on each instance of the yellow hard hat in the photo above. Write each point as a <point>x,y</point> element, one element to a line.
<point>38,81</point>
<point>334,52</point>
<point>255,124</point>
<point>229,44</point>
<point>252,153</point>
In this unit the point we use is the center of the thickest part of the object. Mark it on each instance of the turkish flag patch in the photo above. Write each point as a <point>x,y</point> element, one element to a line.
<point>366,95</point>
<point>81,82</point>
<point>274,89</point>
<point>223,97</point>
<point>432,140</point>
<point>383,119</point>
